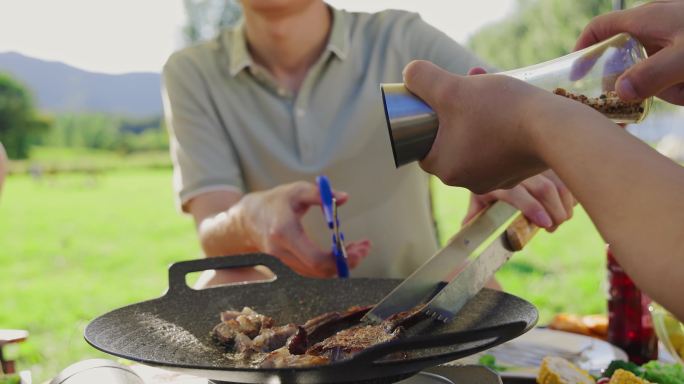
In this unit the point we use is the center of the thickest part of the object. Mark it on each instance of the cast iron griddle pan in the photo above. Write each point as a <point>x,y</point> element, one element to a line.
<point>173,330</point>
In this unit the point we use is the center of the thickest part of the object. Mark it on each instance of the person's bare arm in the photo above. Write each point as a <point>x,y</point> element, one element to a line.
<point>543,199</point>
<point>213,215</point>
<point>632,193</point>
<point>229,222</point>
<point>219,234</point>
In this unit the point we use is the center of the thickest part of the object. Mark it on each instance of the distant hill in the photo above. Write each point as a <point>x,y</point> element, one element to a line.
<point>58,87</point>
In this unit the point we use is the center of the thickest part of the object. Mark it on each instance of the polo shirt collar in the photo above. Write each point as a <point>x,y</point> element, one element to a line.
<point>338,42</point>
<point>239,57</point>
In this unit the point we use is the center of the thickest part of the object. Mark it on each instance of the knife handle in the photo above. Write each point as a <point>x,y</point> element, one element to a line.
<point>520,232</point>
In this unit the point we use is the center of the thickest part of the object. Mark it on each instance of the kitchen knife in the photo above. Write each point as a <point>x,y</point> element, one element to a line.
<point>427,280</point>
<point>450,299</point>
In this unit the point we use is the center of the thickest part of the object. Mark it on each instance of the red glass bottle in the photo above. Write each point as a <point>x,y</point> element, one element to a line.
<point>629,322</point>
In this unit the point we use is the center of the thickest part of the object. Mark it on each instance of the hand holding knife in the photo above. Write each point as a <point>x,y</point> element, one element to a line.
<point>433,286</point>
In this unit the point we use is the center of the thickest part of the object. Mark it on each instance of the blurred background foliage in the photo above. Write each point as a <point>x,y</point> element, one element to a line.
<point>20,123</point>
<point>539,31</point>
<point>536,32</point>
<point>23,127</point>
<point>205,18</point>
<point>107,132</point>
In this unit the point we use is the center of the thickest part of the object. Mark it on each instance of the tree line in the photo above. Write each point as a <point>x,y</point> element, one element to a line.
<point>20,123</point>
<point>23,126</point>
<point>539,30</point>
<point>106,132</point>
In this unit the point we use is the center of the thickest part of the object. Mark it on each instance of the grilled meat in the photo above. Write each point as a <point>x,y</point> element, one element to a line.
<point>224,334</point>
<point>243,344</point>
<point>246,322</point>
<point>297,344</point>
<point>273,338</point>
<point>329,337</point>
<point>327,324</point>
<point>349,342</point>
<point>405,319</point>
<point>269,339</point>
<point>282,358</point>
<point>247,313</point>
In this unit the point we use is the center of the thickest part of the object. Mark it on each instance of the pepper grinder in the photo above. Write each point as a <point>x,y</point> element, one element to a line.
<point>587,76</point>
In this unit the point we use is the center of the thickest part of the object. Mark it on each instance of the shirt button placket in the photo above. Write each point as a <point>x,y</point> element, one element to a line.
<point>303,131</point>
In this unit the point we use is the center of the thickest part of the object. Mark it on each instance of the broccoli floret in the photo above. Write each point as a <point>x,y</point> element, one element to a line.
<point>626,365</point>
<point>489,361</point>
<point>660,373</point>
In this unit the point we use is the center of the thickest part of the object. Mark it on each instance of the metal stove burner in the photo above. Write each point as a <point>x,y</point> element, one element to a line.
<point>420,378</point>
<point>443,374</point>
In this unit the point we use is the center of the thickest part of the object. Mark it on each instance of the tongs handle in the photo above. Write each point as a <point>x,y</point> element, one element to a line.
<point>479,339</point>
<point>520,232</point>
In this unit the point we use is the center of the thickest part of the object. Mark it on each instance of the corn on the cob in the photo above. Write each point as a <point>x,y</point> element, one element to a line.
<point>556,370</point>
<point>621,376</point>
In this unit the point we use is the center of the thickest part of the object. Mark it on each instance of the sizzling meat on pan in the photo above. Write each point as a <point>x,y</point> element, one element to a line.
<point>329,337</point>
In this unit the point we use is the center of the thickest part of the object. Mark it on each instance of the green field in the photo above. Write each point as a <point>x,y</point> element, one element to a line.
<point>75,245</point>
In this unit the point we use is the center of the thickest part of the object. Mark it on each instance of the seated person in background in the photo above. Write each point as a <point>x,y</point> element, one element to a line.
<point>634,195</point>
<point>291,93</point>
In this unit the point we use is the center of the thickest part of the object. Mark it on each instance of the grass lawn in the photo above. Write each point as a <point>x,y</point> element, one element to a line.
<point>50,160</point>
<point>77,245</point>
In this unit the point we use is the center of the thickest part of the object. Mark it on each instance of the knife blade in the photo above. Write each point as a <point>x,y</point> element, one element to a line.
<point>450,299</point>
<point>422,285</point>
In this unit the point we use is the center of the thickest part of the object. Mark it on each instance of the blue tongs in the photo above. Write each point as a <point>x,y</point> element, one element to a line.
<point>330,211</point>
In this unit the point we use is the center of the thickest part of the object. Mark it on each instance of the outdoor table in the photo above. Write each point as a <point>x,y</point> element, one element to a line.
<point>457,374</point>
<point>10,336</point>
<point>152,375</point>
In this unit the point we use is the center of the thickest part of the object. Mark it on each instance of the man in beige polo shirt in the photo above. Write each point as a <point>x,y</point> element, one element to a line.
<point>291,93</point>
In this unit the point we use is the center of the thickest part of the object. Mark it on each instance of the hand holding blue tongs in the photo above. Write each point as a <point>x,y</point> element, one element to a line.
<point>330,211</point>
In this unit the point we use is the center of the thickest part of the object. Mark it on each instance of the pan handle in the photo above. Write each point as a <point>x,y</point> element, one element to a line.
<point>177,271</point>
<point>368,358</point>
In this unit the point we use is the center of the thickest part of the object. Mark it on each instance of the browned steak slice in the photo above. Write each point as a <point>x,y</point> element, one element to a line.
<point>349,342</point>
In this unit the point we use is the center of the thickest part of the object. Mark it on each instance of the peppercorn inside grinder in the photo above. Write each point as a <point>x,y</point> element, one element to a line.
<point>587,76</point>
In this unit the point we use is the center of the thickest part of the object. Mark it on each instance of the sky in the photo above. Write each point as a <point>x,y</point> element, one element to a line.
<point>118,36</point>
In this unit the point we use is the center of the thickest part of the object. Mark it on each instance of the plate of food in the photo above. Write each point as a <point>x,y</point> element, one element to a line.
<point>556,370</point>
<point>522,357</point>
